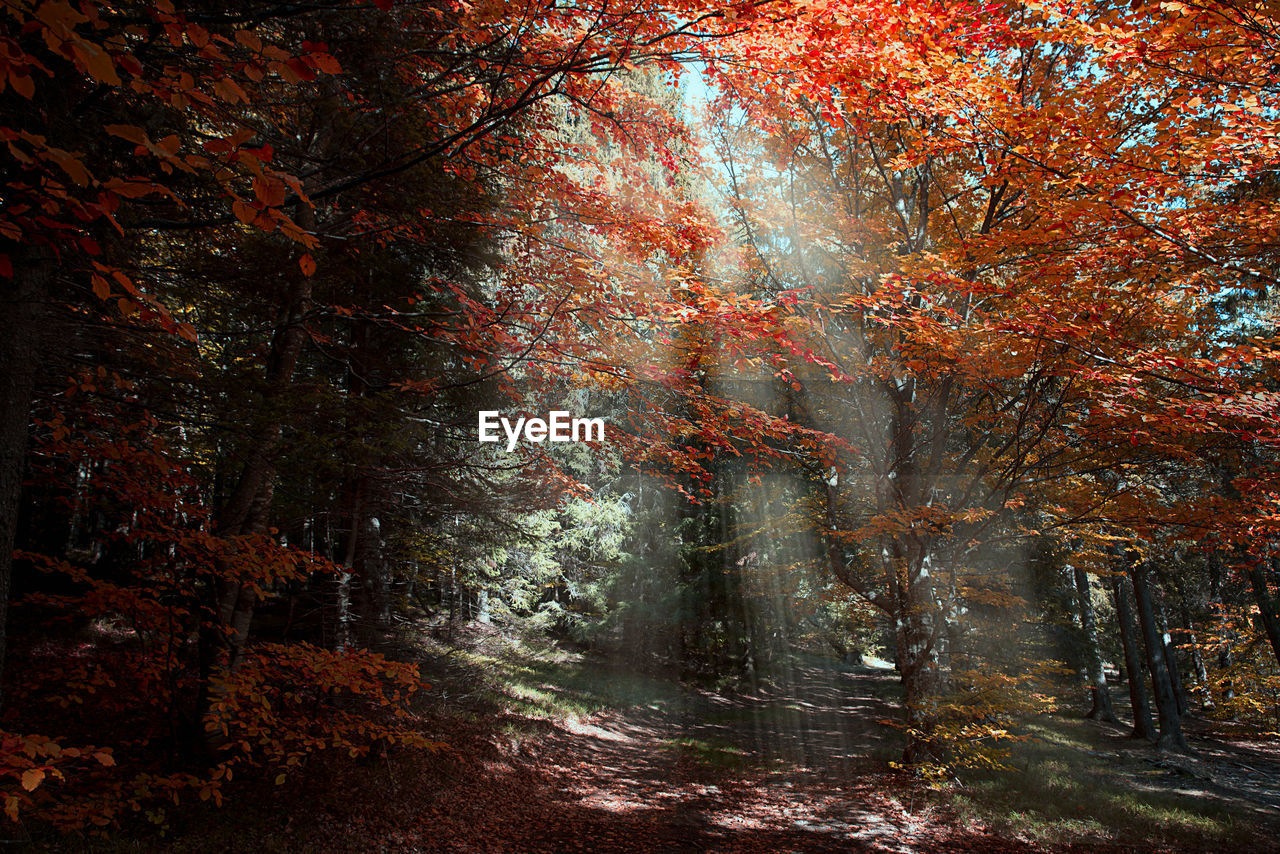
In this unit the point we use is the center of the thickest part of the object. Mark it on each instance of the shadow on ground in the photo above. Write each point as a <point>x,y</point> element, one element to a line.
<point>553,752</point>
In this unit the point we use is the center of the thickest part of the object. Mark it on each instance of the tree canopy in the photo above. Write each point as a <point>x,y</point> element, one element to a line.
<point>943,332</point>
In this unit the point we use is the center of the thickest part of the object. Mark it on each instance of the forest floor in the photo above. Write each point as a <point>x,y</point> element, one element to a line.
<point>552,751</point>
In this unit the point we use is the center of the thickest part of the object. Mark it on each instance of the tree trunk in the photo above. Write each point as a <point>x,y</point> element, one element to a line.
<point>1166,702</point>
<point>366,572</point>
<point>1266,605</point>
<point>954,656</point>
<point>1142,724</point>
<point>353,511</point>
<point>1225,661</point>
<point>1101,706</point>
<point>891,631</point>
<point>23,308</point>
<point>1217,570</point>
<point>1197,662</point>
<point>248,509</point>
<point>375,573</point>
<point>919,629</point>
<point>1171,657</point>
<point>920,679</point>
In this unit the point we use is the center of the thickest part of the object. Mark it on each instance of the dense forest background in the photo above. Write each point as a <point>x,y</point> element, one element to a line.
<point>938,337</point>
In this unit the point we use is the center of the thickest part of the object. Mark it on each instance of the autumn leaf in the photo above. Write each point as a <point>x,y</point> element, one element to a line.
<point>270,191</point>
<point>31,778</point>
<point>326,63</point>
<point>249,40</point>
<point>70,164</point>
<point>96,61</point>
<point>59,16</point>
<point>132,189</point>
<point>22,84</point>
<point>169,145</point>
<point>244,212</point>
<point>132,133</point>
<point>230,91</point>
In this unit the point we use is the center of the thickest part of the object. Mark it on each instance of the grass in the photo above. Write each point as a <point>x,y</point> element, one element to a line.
<point>535,679</point>
<point>1074,783</point>
<point>714,753</point>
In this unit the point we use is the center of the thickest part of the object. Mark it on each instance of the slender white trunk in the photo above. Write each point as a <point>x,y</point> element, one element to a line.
<point>342,642</point>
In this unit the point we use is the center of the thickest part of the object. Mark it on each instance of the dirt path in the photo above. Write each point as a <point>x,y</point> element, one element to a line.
<point>792,769</point>
<point>803,767</point>
<point>554,752</point>
<point>650,765</point>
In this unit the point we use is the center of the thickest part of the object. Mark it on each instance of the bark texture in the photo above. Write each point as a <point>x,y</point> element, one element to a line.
<point>1266,604</point>
<point>1143,727</point>
<point>23,308</point>
<point>1101,699</point>
<point>1171,735</point>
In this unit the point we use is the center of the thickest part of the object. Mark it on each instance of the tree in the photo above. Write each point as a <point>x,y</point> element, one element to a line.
<point>1138,702</point>
<point>170,162</point>
<point>986,257</point>
<point>1100,698</point>
<point>249,136</point>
